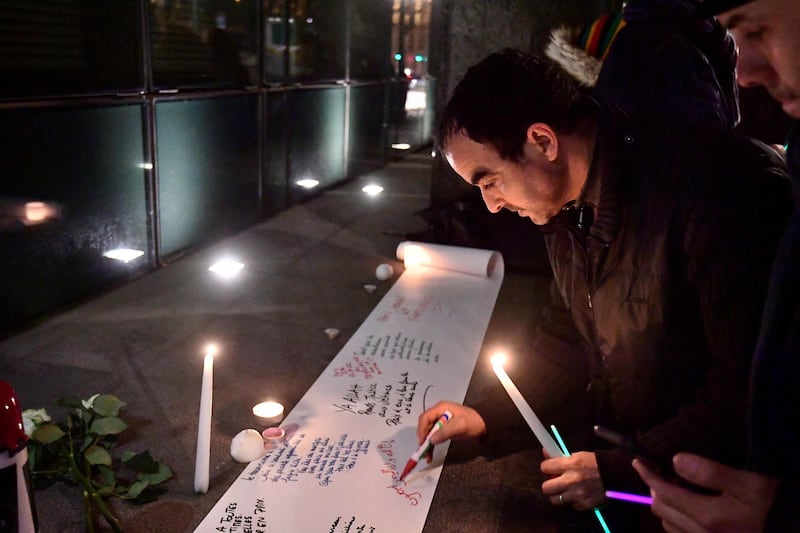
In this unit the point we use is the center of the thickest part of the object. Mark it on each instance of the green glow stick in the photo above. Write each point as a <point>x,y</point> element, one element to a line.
<point>564,449</point>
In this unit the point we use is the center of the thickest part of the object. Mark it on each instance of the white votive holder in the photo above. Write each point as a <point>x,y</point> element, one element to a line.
<point>269,413</point>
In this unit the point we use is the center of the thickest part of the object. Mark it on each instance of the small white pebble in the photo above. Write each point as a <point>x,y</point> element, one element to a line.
<point>369,288</point>
<point>247,446</point>
<point>384,271</point>
<point>332,333</point>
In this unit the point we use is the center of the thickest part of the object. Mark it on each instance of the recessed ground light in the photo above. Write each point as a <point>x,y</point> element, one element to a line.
<point>372,190</point>
<point>126,255</point>
<point>307,183</point>
<point>401,146</point>
<point>227,268</point>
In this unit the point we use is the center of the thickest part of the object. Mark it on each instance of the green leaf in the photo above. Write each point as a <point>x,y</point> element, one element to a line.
<point>107,476</point>
<point>48,433</point>
<point>108,425</point>
<point>127,455</point>
<point>163,474</point>
<point>70,401</point>
<point>97,455</point>
<point>136,488</point>
<point>150,494</point>
<point>141,462</point>
<point>107,405</point>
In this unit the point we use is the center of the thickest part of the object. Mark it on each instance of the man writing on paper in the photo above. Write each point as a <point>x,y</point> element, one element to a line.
<point>766,498</point>
<point>661,238</point>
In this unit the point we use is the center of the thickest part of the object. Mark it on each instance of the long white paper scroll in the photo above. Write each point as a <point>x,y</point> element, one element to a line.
<point>350,435</point>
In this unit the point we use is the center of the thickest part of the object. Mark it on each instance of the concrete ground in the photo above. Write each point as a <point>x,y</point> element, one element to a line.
<point>305,271</point>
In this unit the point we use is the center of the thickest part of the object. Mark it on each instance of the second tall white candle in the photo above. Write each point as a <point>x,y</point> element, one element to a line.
<point>545,439</point>
<point>202,463</point>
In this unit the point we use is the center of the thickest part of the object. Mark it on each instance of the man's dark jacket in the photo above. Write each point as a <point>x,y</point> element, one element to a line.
<point>775,386</point>
<point>660,275</point>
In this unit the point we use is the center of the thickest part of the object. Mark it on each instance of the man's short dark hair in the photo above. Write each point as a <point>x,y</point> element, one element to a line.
<point>498,98</point>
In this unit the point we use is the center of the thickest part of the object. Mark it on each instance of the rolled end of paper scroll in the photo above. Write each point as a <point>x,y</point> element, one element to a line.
<point>455,258</point>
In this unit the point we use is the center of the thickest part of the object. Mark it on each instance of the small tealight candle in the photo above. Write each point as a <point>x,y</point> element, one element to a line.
<point>269,412</point>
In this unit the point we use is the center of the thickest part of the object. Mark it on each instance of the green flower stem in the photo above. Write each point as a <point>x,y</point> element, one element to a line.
<point>92,497</point>
<point>87,511</point>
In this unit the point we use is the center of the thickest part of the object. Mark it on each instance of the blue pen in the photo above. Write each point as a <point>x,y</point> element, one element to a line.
<point>564,449</point>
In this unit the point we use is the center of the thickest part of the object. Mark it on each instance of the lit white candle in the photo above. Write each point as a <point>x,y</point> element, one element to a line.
<point>545,439</point>
<point>269,412</point>
<point>201,468</point>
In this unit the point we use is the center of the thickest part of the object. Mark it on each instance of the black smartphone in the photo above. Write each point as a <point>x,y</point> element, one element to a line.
<point>658,465</point>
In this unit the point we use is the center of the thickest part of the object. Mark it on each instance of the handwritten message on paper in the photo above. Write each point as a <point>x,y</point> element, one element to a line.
<point>234,521</point>
<point>345,525</point>
<point>324,458</point>
<point>398,346</point>
<point>390,465</point>
<point>404,309</point>
<point>353,430</point>
<point>389,401</point>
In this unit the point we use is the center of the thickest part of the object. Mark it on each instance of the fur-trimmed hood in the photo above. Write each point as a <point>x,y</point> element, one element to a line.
<point>563,49</point>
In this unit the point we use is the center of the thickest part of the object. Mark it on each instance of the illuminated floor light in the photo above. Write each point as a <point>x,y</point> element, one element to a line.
<point>227,268</point>
<point>126,255</point>
<point>372,190</point>
<point>401,146</point>
<point>307,183</point>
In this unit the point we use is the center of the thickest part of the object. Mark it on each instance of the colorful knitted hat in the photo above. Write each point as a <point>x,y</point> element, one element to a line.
<point>596,38</point>
<point>581,51</point>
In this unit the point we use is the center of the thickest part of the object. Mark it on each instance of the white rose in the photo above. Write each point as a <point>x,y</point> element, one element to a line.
<point>33,418</point>
<point>90,402</point>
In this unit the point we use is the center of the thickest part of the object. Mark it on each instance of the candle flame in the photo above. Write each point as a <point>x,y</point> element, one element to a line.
<point>268,409</point>
<point>211,349</point>
<point>498,359</point>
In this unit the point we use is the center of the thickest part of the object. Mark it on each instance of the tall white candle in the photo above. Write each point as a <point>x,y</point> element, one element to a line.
<point>545,439</point>
<point>201,467</point>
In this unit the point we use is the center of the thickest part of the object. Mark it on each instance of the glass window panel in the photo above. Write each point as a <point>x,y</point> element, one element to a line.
<point>207,168</point>
<point>430,109</point>
<point>275,31</point>
<point>316,138</point>
<point>317,40</point>
<point>274,187</point>
<point>204,43</point>
<point>72,189</point>
<point>367,144</point>
<point>370,40</point>
<point>68,47</point>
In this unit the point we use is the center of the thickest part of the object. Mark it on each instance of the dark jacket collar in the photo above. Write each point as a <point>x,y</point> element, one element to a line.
<point>601,192</point>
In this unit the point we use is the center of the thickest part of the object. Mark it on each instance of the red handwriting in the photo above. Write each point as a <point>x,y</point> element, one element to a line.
<point>400,306</point>
<point>365,366</point>
<point>412,498</point>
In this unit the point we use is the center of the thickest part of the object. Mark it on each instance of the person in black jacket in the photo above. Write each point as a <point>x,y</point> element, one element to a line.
<point>655,59</point>
<point>661,240</point>
<point>766,496</point>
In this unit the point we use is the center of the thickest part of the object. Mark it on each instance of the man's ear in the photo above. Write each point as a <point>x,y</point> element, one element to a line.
<point>544,139</point>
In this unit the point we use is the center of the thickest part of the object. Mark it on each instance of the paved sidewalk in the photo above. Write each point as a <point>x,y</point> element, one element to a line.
<point>305,271</point>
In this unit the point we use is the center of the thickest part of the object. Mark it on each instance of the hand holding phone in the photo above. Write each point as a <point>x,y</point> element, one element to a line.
<point>651,460</point>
